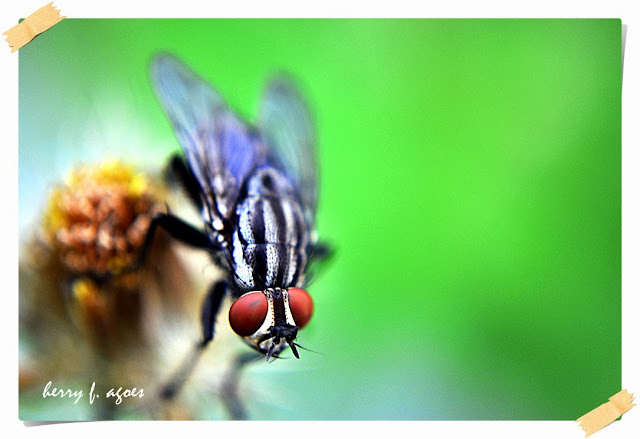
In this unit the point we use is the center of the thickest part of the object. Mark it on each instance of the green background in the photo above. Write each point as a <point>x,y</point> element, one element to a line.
<point>470,184</point>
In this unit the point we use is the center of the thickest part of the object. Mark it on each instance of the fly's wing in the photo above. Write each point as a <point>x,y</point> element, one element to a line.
<point>286,125</point>
<point>219,148</point>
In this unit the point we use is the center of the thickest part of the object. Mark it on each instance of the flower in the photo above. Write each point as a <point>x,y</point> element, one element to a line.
<point>90,312</point>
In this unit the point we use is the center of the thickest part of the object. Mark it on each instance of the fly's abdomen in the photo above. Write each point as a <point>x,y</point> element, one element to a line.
<point>269,244</point>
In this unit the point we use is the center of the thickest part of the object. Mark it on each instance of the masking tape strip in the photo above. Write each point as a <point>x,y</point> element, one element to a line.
<point>36,23</point>
<point>608,412</point>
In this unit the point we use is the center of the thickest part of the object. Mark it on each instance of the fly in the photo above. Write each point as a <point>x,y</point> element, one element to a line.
<point>256,188</point>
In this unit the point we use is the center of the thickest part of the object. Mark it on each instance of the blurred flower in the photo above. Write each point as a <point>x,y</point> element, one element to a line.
<point>89,313</point>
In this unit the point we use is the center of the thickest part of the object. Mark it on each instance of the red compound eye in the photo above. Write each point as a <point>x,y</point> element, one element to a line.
<point>301,306</point>
<point>248,313</point>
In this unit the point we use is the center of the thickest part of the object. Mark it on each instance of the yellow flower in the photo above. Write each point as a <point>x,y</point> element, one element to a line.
<point>90,312</point>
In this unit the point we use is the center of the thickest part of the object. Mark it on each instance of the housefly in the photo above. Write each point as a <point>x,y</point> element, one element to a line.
<point>256,188</point>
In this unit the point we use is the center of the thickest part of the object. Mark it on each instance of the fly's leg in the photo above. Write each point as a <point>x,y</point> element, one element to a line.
<point>178,229</point>
<point>187,234</point>
<point>320,254</point>
<point>179,169</point>
<point>210,308</point>
<point>229,391</point>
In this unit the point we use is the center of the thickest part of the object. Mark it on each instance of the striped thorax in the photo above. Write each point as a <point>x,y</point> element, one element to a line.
<point>268,247</point>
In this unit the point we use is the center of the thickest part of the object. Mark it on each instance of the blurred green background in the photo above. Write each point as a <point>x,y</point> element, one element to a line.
<point>470,184</point>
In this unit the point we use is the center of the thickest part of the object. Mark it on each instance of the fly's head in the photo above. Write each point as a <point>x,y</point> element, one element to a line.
<point>269,320</point>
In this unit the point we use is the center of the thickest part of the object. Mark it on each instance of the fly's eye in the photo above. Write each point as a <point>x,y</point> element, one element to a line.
<point>248,313</point>
<point>301,306</point>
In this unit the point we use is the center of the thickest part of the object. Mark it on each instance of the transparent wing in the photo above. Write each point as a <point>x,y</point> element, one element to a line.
<point>220,149</point>
<point>287,127</point>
